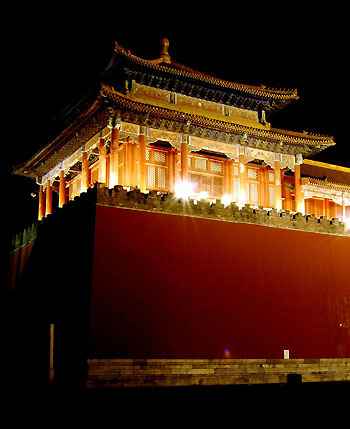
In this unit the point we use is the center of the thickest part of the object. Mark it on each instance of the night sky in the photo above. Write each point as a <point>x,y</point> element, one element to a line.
<point>52,53</point>
<point>57,55</point>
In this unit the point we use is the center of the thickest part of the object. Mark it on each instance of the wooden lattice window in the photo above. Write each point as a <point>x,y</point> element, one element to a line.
<point>217,186</point>
<point>157,169</point>
<point>200,163</point>
<point>206,176</point>
<point>75,187</point>
<point>216,167</point>
<point>252,186</point>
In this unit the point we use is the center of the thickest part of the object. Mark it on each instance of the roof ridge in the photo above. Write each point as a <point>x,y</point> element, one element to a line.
<point>162,63</point>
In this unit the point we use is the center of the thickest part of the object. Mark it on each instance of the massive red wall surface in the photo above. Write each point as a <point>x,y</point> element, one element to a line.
<point>17,262</point>
<point>167,286</point>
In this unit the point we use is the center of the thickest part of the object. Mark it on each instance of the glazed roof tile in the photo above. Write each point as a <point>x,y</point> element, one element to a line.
<point>168,65</point>
<point>323,174</point>
<point>290,137</point>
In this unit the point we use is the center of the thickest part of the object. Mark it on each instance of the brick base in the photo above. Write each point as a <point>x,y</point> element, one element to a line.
<point>212,372</point>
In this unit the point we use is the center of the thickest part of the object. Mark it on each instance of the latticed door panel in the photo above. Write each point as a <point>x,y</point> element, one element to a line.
<point>157,169</point>
<point>75,187</point>
<point>206,175</point>
<point>206,185</point>
<point>151,176</point>
<point>212,185</point>
<point>217,186</point>
<point>252,186</point>
<point>252,193</point>
<point>161,178</point>
<point>271,195</point>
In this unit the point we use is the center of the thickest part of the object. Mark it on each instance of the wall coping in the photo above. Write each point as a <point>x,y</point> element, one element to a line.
<point>167,203</point>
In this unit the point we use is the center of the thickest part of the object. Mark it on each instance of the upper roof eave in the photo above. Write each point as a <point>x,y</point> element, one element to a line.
<point>61,138</point>
<point>171,67</point>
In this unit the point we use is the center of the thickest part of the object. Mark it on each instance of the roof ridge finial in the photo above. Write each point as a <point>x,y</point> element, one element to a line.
<point>164,54</point>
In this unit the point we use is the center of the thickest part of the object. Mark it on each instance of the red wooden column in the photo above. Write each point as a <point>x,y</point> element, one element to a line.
<point>84,173</point>
<point>242,178</point>
<point>62,193</point>
<point>184,159</point>
<point>48,198</point>
<point>278,185</point>
<point>102,161</point>
<point>326,209</point>
<point>171,168</point>
<point>288,199</point>
<point>129,163</point>
<point>229,188</point>
<point>299,200</point>
<point>114,158</point>
<point>262,186</point>
<point>142,159</point>
<point>343,207</point>
<point>133,159</point>
<point>41,210</point>
<point>225,178</point>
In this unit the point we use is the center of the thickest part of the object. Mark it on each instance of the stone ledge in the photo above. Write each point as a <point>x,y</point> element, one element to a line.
<point>209,372</point>
<point>167,203</point>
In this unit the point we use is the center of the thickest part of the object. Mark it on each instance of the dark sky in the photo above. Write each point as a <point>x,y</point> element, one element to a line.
<point>55,55</point>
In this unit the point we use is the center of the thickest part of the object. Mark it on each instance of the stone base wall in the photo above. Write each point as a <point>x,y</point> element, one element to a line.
<point>116,373</point>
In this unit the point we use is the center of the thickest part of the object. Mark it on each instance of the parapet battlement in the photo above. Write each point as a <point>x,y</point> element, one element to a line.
<point>167,203</point>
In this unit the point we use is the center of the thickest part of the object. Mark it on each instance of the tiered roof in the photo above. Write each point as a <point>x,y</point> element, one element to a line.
<point>83,119</point>
<point>167,73</point>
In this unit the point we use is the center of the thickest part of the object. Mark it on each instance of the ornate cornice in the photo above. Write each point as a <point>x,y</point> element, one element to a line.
<point>213,129</point>
<point>109,103</point>
<point>328,185</point>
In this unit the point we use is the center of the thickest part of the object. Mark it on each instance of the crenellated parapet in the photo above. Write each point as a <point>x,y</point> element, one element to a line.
<point>168,203</point>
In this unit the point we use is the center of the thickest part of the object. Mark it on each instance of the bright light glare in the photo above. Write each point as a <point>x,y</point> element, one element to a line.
<point>203,195</point>
<point>226,200</point>
<point>240,203</point>
<point>347,223</point>
<point>183,190</point>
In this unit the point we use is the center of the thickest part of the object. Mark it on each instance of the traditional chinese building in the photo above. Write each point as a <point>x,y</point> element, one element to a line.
<point>205,223</point>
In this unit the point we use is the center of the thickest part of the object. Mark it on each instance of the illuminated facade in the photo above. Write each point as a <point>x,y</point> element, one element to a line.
<point>158,125</point>
<point>159,128</point>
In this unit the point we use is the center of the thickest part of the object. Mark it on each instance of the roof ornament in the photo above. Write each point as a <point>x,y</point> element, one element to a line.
<point>164,43</point>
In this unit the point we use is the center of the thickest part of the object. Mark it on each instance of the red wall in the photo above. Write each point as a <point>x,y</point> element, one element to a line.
<point>167,286</point>
<point>17,261</point>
